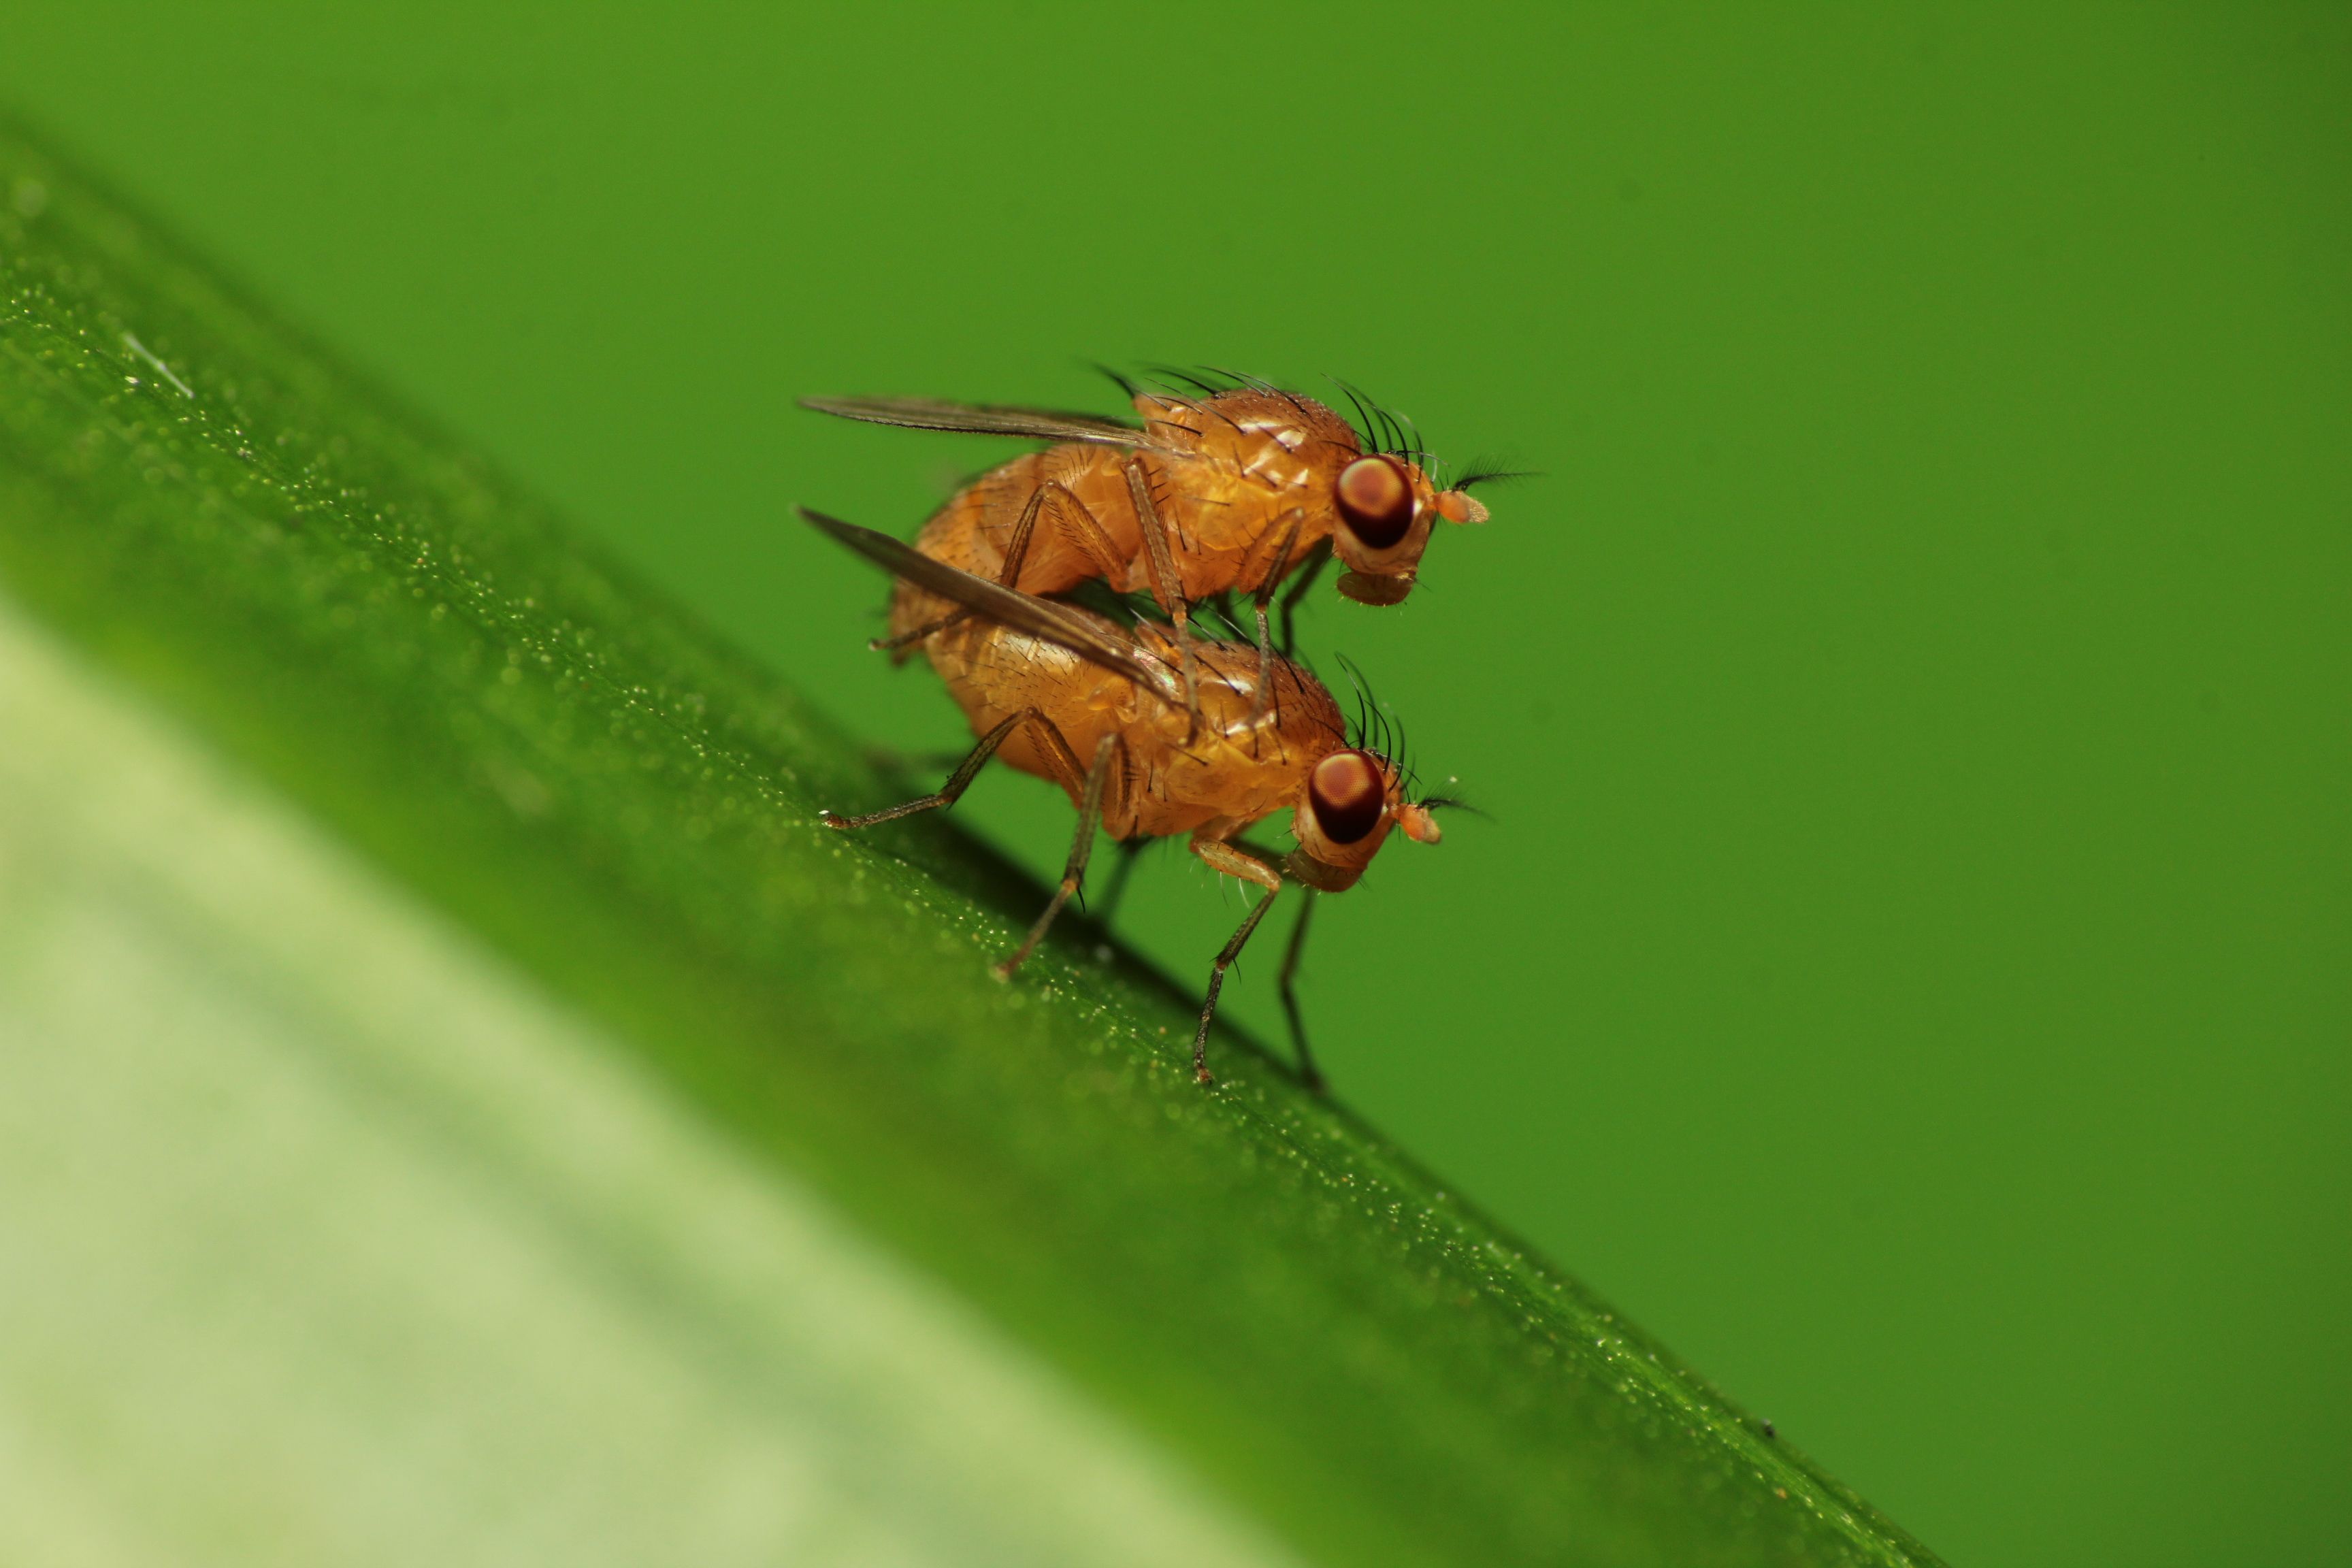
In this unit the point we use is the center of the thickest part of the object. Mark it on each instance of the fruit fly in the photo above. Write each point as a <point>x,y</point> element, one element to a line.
<point>1100,709</point>
<point>1225,491</point>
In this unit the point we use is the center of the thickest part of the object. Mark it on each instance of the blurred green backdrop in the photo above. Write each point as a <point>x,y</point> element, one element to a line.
<point>1906,964</point>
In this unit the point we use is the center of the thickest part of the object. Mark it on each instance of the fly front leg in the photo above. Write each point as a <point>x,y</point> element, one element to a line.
<point>1223,857</point>
<point>1166,584</point>
<point>1308,1073</point>
<point>949,791</point>
<point>1073,871</point>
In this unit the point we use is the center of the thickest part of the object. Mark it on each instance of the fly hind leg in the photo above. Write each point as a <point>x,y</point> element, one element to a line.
<point>949,792</point>
<point>928,628</point>
<point>1088,785</point>
<point>1167,582</point>
<point>1016,555</point>
<point>1074,870</point>
<point>1079,529</point>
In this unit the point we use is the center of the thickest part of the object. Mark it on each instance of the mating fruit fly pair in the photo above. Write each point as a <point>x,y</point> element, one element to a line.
<point>1151,729</point>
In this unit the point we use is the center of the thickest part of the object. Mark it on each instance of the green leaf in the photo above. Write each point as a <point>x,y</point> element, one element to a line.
<point>360,613</point>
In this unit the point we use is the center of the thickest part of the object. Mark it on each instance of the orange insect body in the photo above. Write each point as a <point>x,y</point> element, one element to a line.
<point>1210,780</point>
<point>1102,710</point>
<point>1245,485</point>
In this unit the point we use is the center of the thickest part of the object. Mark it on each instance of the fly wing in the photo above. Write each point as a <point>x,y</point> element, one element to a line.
<point>933,413</point>
<point>1074,629</point>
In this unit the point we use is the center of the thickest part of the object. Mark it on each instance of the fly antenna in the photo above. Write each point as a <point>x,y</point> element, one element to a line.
<point>1453,803</point>
<point>1487,471</point>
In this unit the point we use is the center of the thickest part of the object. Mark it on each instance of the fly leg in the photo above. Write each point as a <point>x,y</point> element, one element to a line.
<point>1073,871</point>
<point>1167,586</point>
<point>928,628</point>
<point>1130,851</point>
<point>1308,1073</point>
<point>1078,527</point>
<point>1090,784</point>
<point>1016,552</point>
<point>949,791</point>
<point>1317,558</point>
<point>1288,541</point>
<point>1233,862</point>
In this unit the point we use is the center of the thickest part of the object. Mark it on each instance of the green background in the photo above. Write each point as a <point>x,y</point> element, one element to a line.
<point>1906,966</point>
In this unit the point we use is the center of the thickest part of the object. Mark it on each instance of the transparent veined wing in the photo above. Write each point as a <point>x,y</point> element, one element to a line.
<point>984,419</point>
<point>1088,636</point>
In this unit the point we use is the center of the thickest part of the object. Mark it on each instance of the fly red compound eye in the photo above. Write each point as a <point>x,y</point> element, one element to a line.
<point>1349,792</point>
<point>1376,500</point>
